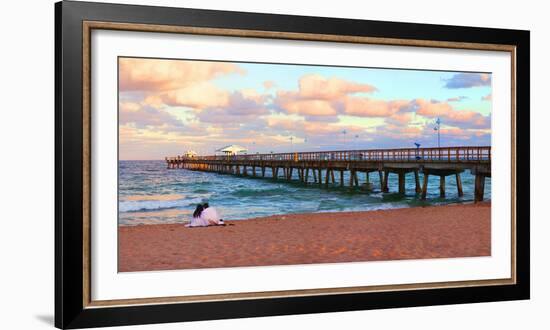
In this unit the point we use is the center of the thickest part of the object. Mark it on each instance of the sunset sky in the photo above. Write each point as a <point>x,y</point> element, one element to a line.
<point>169,106</point>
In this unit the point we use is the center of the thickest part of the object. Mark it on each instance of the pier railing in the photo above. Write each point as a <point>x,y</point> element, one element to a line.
<point>469,154</point>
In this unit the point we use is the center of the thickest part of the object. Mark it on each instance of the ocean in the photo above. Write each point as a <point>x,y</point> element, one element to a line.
<point>149,193</point>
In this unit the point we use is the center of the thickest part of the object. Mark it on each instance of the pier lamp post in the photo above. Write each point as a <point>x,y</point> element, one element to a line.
<point>291,144</point>
<point>344,132</point>
<point>438,129</point>
<point>417,156</point>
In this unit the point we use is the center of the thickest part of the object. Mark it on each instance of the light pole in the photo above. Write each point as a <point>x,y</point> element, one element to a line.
<point>344,132</point>
<point>291,144</point>
<point>438,129</point>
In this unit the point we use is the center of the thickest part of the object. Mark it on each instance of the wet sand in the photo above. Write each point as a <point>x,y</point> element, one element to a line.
<point>412,233</point>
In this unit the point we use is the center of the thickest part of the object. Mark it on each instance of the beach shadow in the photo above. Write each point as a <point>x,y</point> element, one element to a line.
<point>45,318</point>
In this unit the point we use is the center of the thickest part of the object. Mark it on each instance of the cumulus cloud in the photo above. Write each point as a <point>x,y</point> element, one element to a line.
<point>142,116</point>
<point>400,118</point>
<point>241,106</point>
<point>432,108</point>
<point>321,99</point>
<point>200,95</point>
<point>366,107</point>
<point>320,108</point>
<point>467,80</point>
<point>138,74</point>
<point>451,116</point>
<point>310,107</point>
<point>467,119</point>
<point>314,86</point>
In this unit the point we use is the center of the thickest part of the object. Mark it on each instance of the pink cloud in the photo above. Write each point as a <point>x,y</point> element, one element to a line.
<point>467,119</point>
<point>146,116</point>
<point>487,97</point>
<point>138,74</point>
<point>318,97</point>
<point>241,107</point>
<point>401,118</point>
<point>292,103</point>
<point>314,86</point>
<point>365,107</point>
<point>450,116</point>
<point>200,95</point>
<point>432,108</point>
<point>310,107</point>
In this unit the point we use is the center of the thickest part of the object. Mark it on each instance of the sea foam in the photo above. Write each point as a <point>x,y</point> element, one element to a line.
<point>150,204</point>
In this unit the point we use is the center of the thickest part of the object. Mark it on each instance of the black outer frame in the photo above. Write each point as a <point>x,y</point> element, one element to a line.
<point>69,308</point>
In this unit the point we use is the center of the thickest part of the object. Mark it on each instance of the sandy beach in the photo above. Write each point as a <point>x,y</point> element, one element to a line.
<point>449,231</point>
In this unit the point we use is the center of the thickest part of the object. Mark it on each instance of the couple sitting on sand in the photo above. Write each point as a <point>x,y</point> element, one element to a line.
<point>205,216</point>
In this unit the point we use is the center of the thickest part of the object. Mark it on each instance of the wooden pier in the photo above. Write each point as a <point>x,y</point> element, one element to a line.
<point>321,166</point>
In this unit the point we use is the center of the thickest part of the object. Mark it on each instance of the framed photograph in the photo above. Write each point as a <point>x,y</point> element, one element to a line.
<point>214,164</point>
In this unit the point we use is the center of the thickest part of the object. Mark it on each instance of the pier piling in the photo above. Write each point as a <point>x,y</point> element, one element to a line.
<point>440,162</point>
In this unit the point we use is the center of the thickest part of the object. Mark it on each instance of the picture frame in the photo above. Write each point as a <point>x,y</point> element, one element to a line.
<point>74,23</point>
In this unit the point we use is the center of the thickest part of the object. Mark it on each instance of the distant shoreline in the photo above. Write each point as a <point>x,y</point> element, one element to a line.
<point>441,231</point>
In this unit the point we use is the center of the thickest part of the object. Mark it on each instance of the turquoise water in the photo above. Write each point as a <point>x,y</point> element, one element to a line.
<point>149,194</point>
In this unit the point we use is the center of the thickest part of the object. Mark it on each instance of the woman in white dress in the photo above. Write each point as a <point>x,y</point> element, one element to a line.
<point>197,220</point>
<point>210,215</point>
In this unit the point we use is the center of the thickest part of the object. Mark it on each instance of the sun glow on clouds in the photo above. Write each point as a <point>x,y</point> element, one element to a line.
<point>169,106</point>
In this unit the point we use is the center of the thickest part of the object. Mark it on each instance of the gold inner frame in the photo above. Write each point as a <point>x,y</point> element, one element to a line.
<point>87,28</point>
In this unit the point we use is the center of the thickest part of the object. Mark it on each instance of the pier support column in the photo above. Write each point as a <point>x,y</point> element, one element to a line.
<point>381,177</point>
<point>459,185</point>
<point>417,187</point>
<point>479,188</point>
<point>425,185</point>
<point>351,173</point>
<point>275,173</point>
<point>290,173</point>
<point>367,174</point>
<point>327,176</point>
<point>253,171</point>
<point>314,175</point>
<point>401,176</point>
<point>385,186</point>
<point>306,176</point>
<point>442,186</point>
<point>320,176</point>
<point>332,175</point>
<point>342,178</point>
<point>263,171</point>
<point>355,178</point>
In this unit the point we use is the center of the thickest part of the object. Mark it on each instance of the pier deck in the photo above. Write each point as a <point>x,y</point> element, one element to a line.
<point>321,166</point>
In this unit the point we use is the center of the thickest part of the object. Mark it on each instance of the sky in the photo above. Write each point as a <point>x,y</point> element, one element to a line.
<point>167,107</point>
